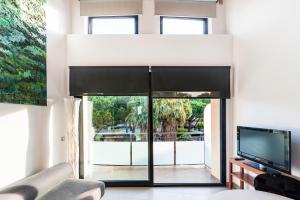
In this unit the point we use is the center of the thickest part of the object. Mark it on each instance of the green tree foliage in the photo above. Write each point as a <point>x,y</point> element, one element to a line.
<point>102,111</point>
<point>198,106</point>
<point>110,111</point>
<point>171,113</point>
<point>138,113</point>
<point>168,114</point>
<point>23,52</point>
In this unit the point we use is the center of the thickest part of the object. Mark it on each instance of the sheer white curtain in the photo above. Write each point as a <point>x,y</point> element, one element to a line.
<point>73,114</point>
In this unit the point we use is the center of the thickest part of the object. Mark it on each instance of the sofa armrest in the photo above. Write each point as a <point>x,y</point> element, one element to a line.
<point>40,183</point>
<point>76,189</point>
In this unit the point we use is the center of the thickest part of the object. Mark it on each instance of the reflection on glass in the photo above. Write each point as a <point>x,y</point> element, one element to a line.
<point>118,138</point>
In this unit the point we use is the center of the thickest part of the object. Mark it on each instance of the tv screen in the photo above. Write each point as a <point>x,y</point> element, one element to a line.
<point>268,147</point>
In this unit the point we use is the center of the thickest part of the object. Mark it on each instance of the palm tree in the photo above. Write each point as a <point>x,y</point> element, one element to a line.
<point>171,114</point>
<point>138,115</point>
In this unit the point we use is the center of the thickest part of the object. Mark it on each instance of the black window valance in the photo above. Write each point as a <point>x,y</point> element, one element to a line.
<point>185,81</point>
<point>166,81</point>
<point>109,80</point>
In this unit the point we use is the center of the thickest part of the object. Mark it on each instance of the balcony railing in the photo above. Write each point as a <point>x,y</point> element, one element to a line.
<point>132,149</point>
<point>159,137</point>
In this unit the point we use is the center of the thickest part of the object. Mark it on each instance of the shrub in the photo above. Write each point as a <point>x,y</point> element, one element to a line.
<point>185,136</point>
<point>138,136</point>
<point>200,125</point>
<point>182,130</point>
<point>116,131</point>
<point>98,138</point>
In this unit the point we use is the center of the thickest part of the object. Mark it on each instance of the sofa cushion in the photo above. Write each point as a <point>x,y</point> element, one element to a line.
<point>72,189</point>
<point>23,192</point>
<point>35,186</point>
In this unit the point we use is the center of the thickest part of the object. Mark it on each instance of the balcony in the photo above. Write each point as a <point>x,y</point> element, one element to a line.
<point>186,140</point>
<point>126,158</point>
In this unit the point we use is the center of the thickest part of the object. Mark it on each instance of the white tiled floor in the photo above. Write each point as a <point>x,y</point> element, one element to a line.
<point>161,193</point>
<point>162,174</point>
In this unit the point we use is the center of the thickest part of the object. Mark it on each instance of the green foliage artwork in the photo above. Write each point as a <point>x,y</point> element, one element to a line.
<point>23,52</point>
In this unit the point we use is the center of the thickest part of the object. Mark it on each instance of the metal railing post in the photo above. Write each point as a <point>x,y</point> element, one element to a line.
<point>175,162</point>
<point>130,150</point>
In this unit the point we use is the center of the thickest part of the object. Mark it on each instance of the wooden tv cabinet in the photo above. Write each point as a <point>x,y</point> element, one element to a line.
<point>243,178</point>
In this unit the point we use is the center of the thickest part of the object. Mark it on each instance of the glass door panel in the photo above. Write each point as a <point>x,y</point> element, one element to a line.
<point>186,144</point>
<point>116,138</point>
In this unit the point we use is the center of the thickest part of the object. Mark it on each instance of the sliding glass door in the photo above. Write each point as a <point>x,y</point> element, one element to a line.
<point>189,124</point>
<point>116,138</point>
<point>146,126</point>
<point>186,141</point>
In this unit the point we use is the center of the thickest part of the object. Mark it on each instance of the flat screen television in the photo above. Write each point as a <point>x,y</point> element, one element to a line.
<point>268,147</point>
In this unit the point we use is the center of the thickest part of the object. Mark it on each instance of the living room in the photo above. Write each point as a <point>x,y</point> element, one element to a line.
<point>149,98</point>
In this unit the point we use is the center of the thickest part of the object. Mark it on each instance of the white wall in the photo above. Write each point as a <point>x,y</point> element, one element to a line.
<point>267,66</point>
<point>212,137</point>
<point>98,50</point>
<point>79,24</point>
<point>59,25</point>
<point>218,24</point>
<point>30,135</point>
<point>207,135</point>
<point>215,138</point>
<point>148,22</point>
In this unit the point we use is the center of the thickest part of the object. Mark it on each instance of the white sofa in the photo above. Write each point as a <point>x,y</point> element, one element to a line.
<point>53,184</point>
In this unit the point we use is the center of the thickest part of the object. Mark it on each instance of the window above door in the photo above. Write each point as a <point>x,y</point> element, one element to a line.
<point>113,25</point>
<point>183,25</point>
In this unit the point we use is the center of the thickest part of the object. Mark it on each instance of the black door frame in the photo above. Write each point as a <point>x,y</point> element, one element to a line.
<point>150,181</point>
<point>223,157</point>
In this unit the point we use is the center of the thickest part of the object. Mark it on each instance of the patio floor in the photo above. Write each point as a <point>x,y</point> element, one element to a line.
<point>162,174</point>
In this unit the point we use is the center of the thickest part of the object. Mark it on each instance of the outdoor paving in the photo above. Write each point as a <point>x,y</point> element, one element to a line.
<point>162,174</point>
